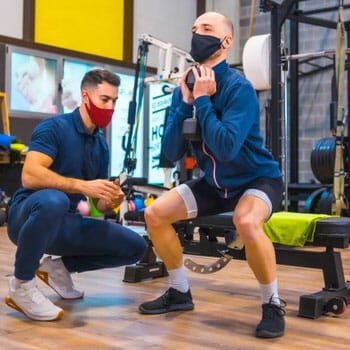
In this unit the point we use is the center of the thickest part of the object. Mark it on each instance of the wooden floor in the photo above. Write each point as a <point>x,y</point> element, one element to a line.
<point>226,313</point>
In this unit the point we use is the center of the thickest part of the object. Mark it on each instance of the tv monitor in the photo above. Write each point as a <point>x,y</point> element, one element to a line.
<point>73,72</point>
<point>31,82</point>
<point>39,84</point>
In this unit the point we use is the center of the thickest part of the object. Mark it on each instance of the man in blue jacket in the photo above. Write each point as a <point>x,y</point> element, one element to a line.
<point>239,173</point>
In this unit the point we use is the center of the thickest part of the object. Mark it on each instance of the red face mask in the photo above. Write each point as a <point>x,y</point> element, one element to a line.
<point>101,117</point>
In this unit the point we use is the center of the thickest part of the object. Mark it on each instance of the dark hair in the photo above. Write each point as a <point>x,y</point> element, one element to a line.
<point>97,76</point>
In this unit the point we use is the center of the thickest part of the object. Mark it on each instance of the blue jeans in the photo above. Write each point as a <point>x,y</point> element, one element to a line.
<point>42,224</point>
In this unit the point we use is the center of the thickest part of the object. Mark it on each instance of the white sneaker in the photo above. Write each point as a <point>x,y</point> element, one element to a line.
<point>28,299</point>
<point>54,274</point>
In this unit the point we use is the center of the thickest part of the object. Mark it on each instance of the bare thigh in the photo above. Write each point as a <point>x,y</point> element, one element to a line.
<point>168,208</point>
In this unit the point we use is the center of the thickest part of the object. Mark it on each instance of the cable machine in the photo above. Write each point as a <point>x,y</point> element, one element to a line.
<point>280,13</point>
<point>171,65</point>
<point>167,71</point>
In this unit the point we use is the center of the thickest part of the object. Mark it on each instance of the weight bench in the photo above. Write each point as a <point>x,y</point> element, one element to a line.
<point>330,233</point>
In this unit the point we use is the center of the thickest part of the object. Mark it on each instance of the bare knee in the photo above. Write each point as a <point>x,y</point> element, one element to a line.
<point>247,226</point>
<point>152,218</point>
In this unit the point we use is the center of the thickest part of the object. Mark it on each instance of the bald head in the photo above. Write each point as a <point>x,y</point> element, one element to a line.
<point>222,24</point>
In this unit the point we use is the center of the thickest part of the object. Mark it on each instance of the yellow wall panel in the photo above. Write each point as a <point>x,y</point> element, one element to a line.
<point>91,26</point>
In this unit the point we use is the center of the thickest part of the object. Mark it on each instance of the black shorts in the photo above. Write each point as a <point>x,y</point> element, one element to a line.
<point>201,199</point>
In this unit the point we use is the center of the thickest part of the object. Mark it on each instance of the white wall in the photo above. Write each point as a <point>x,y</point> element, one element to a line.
<point>229,8</point>
<point>11,18</point>
<point>167,20</point>
<point>171,22</point>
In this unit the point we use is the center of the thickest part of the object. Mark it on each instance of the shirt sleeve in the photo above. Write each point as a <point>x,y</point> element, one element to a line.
<point>224,131</point>
<point>44,138</point>
<point>173,143</point>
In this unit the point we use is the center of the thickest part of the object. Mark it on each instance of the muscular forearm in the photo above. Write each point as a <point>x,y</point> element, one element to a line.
<point>37,175</point>
<point>41,177</point>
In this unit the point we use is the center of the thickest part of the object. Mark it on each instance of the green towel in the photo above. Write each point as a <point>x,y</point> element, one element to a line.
<point>292,229</point>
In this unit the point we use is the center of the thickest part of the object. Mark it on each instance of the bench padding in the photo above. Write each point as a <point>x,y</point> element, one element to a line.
<point>293,229</point>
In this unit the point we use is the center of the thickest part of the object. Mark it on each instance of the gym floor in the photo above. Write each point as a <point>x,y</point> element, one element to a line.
<point>226,312</point>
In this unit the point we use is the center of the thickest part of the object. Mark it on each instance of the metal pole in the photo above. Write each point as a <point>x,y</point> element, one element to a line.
<point>311,55</point>
<point>285,138</point>
<point>285,126</point>
<point>276,107</point>
<point>293,84</point>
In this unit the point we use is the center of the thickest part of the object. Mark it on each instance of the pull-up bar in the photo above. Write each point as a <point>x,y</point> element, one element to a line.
<point>316,54</point>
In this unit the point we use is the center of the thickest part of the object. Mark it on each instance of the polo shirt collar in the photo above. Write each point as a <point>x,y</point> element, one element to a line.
<point>79,125</point>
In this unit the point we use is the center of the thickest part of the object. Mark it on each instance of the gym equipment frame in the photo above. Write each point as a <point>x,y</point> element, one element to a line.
<point>279,14</point>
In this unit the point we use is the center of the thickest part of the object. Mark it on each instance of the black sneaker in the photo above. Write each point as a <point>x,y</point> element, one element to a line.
<point>272,323</point>
<point>171,300</point>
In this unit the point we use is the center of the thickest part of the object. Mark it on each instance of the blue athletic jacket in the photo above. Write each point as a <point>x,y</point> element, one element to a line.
<point>231,153</point>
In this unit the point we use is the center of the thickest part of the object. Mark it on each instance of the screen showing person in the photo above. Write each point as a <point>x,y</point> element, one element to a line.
<point>33,83</point>
<point>73,72</point>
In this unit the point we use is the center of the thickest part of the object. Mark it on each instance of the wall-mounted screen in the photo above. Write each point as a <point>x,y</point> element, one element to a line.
<point>158,97</point>
<point>40,84</point>
<point>119,126</point>
<point>31,83</point>
<point>73,72</point>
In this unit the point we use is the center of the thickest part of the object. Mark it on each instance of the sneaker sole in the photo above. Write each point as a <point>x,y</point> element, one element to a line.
<point>187,307</point>
<point>10,302</point>
<point>267,334</point>
<point>44,276</point>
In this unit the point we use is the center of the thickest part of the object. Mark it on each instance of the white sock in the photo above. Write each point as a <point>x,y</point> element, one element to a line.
<point>269,293</point>
<point>178,279</point>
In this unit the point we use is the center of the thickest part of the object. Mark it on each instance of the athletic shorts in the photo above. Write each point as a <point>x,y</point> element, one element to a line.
<point>201,199</point>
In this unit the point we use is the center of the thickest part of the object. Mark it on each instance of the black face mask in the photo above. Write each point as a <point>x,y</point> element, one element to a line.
<point>203,46</point>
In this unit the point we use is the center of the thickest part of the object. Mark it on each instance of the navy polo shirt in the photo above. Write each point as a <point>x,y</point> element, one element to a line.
<point>75,152</point>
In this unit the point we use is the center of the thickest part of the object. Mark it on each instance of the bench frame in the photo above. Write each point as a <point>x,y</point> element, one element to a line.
<point>332,298</point>
<point>335,295</point>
